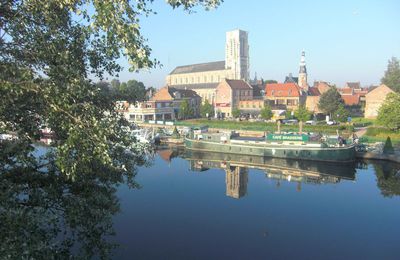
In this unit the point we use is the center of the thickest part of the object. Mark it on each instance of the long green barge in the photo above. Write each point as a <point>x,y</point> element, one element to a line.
<point>291,146</point>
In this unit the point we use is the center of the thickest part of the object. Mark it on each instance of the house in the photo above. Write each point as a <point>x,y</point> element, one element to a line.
<point>314,94</point>
<point>229,93</point>
<point>163,106</point>
<point>374,99</point>
<point>284,96</point>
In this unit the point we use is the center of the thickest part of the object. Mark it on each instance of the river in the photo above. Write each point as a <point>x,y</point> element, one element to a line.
<point>191,205</point>
<point>212,206</point>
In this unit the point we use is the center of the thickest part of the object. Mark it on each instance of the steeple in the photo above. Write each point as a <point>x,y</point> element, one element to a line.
<point>303,68</point>
<point>302,80</point>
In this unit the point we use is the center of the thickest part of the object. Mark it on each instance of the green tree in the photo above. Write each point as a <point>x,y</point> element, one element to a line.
<point>266,112</point>
<point>341,114</point>
<point>185,111</point>
<point>392,75</point>
<point>389,112</point>
<point>206,109</point>
<point>288,114</point>
<point>302,114</point>
<point>329,101</point>
<point>47,53</point>
<point>115,83</point>
<point>235,112</point>
<point>131,91</point>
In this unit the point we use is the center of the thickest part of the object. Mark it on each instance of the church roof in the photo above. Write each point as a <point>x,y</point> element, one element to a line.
<point>196,86</point>
<point>201,67</point>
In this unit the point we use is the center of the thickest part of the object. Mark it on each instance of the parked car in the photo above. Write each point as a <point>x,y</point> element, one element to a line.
<point>331,123</point>
<point>291,122</point>
<point>311,122</point>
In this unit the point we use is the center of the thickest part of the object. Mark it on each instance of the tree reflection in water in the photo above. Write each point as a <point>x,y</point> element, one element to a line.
<point>47,215</point>
<point>388,178</point>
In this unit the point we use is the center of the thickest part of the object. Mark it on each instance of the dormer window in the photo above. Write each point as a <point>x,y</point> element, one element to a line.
<point>273,92</point>
<point>290,92</point>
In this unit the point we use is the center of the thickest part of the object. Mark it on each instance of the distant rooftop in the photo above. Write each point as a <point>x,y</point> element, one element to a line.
<point>209,66</point>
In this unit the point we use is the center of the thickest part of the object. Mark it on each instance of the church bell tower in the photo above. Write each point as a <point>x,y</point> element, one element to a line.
<point>302,81</point>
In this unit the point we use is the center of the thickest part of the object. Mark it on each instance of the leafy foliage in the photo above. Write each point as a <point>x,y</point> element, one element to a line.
<point>330,100</point>
<point>185,111</point>
<point>389,112</point>
<point>206,109</point>
<point>392,75</point>
<point>302,114</point>
<point>266,112</point>
<point>341,114</point>
<point>47,52</point>
<point>235,112</point>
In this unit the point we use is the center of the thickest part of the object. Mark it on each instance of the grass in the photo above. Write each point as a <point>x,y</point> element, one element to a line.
<point>259,126</point>
<point>362,122</point>
<point>380,134</point>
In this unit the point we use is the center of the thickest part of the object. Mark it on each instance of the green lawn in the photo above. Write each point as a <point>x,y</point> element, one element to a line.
<point>380,134</point>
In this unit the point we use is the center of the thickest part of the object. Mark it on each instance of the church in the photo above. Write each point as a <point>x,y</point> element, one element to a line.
<point>204,78</point>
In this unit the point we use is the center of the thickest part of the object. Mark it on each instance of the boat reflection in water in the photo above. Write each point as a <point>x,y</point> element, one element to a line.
<point>237,167</point>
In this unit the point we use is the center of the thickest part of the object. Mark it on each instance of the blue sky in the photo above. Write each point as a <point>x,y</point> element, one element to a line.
<point>344,40</point>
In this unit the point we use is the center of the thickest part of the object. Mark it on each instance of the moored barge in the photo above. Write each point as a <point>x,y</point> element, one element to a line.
<point>291,146</point>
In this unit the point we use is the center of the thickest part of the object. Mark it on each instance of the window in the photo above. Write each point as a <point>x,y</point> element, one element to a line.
<point>272,92</point>
<point>212,78</point>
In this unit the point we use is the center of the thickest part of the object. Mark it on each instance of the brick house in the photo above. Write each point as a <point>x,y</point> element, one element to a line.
<point>374,99</point>
<point>228,95</point>
<point>284,95</point>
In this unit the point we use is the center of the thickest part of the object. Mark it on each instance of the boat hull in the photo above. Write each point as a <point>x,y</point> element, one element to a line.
<point>332,154</point>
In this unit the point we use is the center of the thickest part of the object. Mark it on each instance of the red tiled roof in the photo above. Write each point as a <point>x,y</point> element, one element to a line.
<point>282,90</point>
<point>351,100</point>
<point>238,84</point>
<point>346,91</point>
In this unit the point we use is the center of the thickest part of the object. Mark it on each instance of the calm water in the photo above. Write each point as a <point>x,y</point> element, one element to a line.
<point>205,206</point>
<point>210,206</point>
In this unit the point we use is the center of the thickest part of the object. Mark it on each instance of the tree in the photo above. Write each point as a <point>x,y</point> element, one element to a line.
<point>392,75</point>
<point>302,114</point>
<point>288,114</point>
<point>389,112</point>
<point>47,53</point>
<point>235,112</point>
<point>185,111</point>
<point>206,109</point>
<point>115,83</point>
<point>329,101</point>
<point>266,112</point>
<point>341,114</point>
<point>131,91</point>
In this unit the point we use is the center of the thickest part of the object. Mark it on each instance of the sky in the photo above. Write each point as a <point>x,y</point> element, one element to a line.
<point>344,41</point>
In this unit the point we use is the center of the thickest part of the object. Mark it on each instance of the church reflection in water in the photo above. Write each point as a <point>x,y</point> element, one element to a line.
<point>236,169</point>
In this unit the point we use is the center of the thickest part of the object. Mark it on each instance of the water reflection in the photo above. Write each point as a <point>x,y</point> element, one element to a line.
<point>47,215</point>
<point>236,169</point>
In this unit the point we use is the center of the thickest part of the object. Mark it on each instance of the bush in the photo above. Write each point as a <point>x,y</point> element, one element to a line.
<point>388,148</point>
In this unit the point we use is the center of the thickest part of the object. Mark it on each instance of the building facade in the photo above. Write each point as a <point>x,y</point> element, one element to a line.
<point>229,94</point>
<point>284,96</point>
<point>374,100</point>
